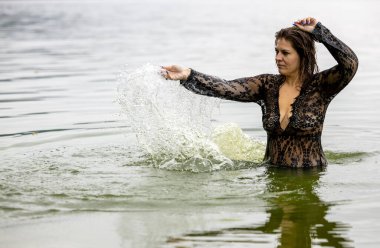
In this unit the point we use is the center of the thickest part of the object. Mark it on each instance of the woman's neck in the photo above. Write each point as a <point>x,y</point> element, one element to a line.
<point>293,80</point>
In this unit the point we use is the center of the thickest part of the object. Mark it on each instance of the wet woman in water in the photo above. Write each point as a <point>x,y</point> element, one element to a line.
<point>293,102</point>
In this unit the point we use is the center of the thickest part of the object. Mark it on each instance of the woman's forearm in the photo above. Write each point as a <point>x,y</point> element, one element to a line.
<point>242,89</point>
<point>343,54</point>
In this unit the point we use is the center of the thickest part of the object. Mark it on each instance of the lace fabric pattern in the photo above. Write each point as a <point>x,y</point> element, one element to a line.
<point>299,144</point>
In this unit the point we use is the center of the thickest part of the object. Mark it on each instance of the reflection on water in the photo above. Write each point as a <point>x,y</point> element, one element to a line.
<point>298,213</point>
<point>297,217</point>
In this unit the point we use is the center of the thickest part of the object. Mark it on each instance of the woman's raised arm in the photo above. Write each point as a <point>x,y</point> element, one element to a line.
<point>336,78</point>
<point>248,89</point>
<point>333,80</point>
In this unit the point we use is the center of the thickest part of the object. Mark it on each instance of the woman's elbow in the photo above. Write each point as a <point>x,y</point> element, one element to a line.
<point>355,63</point>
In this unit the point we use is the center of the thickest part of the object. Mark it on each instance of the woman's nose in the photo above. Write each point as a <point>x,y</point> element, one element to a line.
<point>278,57</point>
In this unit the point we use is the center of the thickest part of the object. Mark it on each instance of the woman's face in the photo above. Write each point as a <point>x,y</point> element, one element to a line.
<point>287,58</point>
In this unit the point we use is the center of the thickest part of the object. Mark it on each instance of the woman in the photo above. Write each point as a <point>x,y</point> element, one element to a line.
<point>293,102</point>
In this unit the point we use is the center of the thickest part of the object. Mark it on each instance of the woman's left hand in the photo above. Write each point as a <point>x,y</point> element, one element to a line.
<point>306,24</point>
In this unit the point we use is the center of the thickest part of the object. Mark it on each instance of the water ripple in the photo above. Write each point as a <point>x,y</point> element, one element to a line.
<point>35,132</point>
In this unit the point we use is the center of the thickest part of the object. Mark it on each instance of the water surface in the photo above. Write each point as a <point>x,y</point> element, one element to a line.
<point>71,165</point>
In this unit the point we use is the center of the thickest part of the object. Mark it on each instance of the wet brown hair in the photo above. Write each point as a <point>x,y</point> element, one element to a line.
<point>304,44</point>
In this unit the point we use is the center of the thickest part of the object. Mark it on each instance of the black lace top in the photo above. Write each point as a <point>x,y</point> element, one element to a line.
<point>299,144</point>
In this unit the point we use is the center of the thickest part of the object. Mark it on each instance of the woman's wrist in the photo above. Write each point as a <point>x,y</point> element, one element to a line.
<point>187,73</point>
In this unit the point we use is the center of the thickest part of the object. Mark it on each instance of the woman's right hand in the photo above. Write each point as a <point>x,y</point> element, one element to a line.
<point>306,24</point>
<point>175,72</point>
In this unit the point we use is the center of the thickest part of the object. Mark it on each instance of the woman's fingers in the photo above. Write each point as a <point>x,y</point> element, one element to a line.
<point>168,67</point>
<point>314,21</point>
<point>174,68</point>
<point>311,21</point>
<point>166,73</point>
<point>163,72</point>
<point>306,24</point>
<point>175,72</point>
<point>303,21</point>
<point>306,21</point>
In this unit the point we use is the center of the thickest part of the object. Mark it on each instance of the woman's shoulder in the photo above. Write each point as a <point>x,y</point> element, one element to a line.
<point>314,83</point>
<point>268,78</point>
<point>316,79</point>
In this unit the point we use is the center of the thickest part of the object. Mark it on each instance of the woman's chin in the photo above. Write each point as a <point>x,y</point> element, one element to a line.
<point>281,71</point>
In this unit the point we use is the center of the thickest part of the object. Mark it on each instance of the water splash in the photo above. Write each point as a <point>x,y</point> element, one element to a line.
<point>236,145</point>
<point>173,124</point>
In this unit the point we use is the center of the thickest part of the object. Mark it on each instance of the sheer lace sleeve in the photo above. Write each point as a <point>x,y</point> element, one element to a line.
<point>247,89</point>
<point>336,78</point>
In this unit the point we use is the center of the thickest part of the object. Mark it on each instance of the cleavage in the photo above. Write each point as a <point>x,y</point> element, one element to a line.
<point>287,96</point>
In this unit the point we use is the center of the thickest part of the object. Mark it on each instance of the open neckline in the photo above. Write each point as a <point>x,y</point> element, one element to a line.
<point>282,82</point>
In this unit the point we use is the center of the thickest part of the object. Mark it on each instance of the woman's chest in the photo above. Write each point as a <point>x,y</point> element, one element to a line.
<point>286,98</point>
<point>303,110</point>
